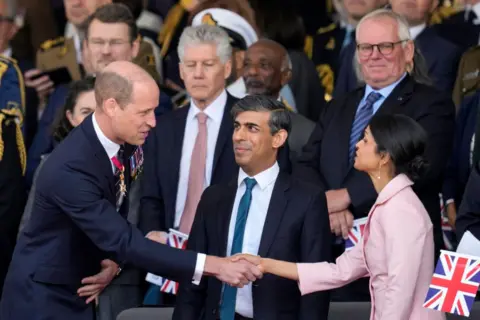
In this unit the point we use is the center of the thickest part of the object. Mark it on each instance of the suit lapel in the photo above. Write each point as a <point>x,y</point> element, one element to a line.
<point>425,41</point>
<point>276,210</point>
<point>180,121</point>
<point>399,97</point>
<point>224,215</point>
<point>104,162</point>
<point>225,133</point>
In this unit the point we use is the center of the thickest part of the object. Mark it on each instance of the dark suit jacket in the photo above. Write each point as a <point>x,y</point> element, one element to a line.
<point>296,229</point>
<point>463,32</point>
<point>163,152</point>
<point>468,218</point>
<point>442,68</point>
<point>325,158</point>
<point>73,226</point>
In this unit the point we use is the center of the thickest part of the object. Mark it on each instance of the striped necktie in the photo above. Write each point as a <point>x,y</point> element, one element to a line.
<point>362,118</point>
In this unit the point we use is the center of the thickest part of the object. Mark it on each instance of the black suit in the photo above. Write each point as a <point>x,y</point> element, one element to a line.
<point>442,68</point>
<point>463,32</point>
<point>325,158</point>
<point>296,229</point>
<point>468,218</point>
<point>163,153</point>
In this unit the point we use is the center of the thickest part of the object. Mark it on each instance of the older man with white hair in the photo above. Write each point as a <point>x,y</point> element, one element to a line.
<point>385,54</point>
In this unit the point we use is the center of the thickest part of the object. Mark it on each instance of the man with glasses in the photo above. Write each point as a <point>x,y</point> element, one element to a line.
<point>385,55</point>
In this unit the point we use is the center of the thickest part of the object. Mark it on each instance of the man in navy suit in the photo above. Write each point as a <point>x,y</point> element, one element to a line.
<point>286,218</point>
<point>78,218</point>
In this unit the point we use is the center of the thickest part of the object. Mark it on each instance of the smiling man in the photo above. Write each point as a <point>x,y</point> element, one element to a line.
<point>385,53</point>
<point>264,211</point>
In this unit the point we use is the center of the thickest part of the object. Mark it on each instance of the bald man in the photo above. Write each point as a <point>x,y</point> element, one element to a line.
<point>78,225</point>
<point>266,70</point>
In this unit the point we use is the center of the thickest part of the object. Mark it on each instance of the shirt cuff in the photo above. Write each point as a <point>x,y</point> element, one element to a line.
<point>449,201</point>
<point>199,267</point>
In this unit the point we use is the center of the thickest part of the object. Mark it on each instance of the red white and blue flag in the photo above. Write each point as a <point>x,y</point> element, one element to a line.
<point>177,240</point>
<point>454,283</point>
<point>355,234</point>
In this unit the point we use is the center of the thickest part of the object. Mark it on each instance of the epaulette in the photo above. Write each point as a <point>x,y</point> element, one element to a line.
<point>332,26</point>
<point>443,12</point>
<point>52,43</point>
<point>169,27</point>
<point>12,109</point>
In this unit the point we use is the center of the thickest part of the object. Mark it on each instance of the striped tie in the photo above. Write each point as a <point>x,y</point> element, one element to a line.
<point>363,116</point>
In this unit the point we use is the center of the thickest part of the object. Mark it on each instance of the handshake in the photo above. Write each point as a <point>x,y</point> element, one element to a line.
<point>236,271</point>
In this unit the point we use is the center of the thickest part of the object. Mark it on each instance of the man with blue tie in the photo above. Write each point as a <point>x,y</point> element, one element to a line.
<point>78,221</point>
<point>263,211</point>
<point>385,55</point>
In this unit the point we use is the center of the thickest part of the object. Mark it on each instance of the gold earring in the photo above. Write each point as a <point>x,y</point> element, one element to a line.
<point>379,172</point>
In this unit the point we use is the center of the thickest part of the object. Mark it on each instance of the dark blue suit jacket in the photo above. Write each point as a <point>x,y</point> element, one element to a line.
<point>468,218</point>
<point>458,169</point>
<point>296,229</point>
<point>73,226</point>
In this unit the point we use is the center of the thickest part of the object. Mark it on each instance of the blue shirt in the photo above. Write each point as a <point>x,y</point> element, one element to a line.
<point>385,92</point>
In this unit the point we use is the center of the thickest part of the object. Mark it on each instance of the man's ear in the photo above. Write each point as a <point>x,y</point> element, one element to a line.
<point>279,138</point>
<point>286,77</point>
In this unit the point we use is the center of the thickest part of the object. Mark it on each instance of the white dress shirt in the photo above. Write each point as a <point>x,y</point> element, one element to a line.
<point>416,30</point>
<point>261,194</point>
<point>111,148</point>
<point>214,113</point>
<point>72,32</point>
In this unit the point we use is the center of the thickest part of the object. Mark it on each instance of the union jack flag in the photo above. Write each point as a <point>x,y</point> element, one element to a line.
<point>176,240</point>
<point>356,233</point>
<point>454,283</point>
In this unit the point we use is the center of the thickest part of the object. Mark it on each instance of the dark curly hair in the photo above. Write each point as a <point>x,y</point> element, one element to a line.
<point>61,126</point>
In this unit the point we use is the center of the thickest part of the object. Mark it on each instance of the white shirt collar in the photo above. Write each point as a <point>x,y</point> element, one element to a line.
<point>110,147</point>
<point>72,32</point>
<point>238,88</point>
<point>214,111</point>
<point>416,30</point>
<point>7,53</point>
<point>264,178</point>
<point>476,9</point>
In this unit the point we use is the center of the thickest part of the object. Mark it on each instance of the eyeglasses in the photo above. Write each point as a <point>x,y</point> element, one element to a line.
<point>385,48</point>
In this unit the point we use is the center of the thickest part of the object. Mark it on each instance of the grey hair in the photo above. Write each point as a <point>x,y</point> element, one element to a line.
<point>206,34</point>
<point>112,85</point>
<point>402,23</point>
<point>279,114</point>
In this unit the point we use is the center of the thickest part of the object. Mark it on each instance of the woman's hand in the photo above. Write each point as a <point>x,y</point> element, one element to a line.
<point>255,260</point>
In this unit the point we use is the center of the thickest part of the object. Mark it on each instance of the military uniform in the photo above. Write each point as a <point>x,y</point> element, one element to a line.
<point>324,48</point>
<point>12,159</point>
<point>61,52</point>
<point>468,77</point>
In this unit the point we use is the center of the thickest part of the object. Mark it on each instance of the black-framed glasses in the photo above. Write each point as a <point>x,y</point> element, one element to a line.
<point>385,48</point>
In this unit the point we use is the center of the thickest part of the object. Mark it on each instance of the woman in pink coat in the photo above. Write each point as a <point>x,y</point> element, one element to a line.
<point>397,250</point>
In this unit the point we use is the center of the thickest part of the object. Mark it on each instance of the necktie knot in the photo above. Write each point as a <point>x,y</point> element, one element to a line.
<point>372,98</point>
<point>250,183</point>
<point>202,118</point>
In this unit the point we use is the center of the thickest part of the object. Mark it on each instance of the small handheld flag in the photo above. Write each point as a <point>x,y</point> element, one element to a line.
<point>356,233</point>
<point>454,283</point>
<point>176,239</point>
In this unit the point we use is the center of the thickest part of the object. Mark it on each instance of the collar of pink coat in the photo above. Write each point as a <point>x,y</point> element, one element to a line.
<point>396,185</point>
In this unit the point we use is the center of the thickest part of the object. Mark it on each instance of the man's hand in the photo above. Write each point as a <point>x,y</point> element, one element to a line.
<point>451,214</point>
<point>94,285</point>
<point>255,260</point>
<point>236,274</point>
<point>337,200</point>
<point>43,85</point>
<point>341,222</point>
<point>158,236</point>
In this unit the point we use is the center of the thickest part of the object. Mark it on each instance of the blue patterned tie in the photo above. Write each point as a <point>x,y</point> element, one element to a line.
<point>230,293</point>
<point>362,118</point>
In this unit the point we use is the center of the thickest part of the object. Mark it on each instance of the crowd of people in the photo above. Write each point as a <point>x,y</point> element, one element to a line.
<point>259,130</point>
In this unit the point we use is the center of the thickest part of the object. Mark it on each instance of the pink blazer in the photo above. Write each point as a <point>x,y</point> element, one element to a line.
<point>396,252</point>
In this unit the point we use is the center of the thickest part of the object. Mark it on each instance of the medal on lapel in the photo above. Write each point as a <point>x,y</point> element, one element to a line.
<point>121,169</point>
